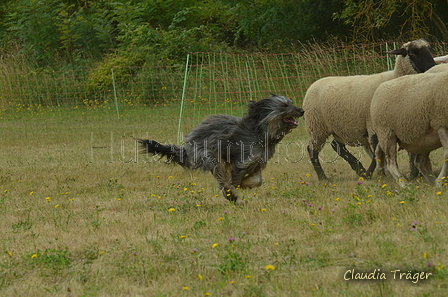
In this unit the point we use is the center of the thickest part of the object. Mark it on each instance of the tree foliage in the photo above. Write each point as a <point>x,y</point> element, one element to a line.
<point>406,19</point>
<point>73,33</point>
<point>279,23</point>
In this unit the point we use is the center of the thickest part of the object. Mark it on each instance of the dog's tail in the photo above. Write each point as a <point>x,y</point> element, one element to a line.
<point>172,152</point>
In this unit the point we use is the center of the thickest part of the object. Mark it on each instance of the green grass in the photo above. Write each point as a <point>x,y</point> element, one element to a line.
<point>77,221</point>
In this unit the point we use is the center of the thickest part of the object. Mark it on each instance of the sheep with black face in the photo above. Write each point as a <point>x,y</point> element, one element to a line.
<point>411,112</point>
<point>339,106</point>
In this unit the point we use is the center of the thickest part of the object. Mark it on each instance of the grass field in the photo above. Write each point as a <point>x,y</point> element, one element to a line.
<point>82,216</point>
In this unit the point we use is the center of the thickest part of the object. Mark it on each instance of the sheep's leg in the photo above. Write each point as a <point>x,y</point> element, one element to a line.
<point>380,160</point>
<point>414,171</point>
<point>314,157</point>
<point>390,149</point>
<point>342,151</point>
<point>423,164</point>
<point>370,152</point>
<point>371,168</point>
<point>443,136</point>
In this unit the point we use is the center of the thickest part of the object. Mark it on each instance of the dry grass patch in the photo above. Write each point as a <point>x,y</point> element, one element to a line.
<point>76,226</point>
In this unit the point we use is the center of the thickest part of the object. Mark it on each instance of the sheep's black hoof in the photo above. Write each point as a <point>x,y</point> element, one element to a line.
<point>322,177</point>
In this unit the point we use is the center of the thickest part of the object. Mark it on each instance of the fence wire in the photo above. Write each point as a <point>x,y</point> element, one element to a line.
<point>209,83</point>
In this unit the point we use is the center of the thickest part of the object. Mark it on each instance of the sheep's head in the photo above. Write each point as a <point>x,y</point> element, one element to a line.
<point>413,57</point>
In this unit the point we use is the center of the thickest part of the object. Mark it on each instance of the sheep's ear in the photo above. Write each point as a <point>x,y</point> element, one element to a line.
<point>400,51</point>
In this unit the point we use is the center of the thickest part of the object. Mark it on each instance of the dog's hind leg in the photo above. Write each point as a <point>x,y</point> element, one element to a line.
<point>222,173</point>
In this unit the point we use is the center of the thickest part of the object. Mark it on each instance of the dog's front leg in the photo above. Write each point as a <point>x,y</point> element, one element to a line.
<point>230,194</point>
<point>223,174</point>
<point>238,176</point>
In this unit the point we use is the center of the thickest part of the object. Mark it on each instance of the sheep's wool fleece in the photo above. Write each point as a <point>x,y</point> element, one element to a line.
<point>339,105</point>
<point>438,68</point>
<point>413,108</point>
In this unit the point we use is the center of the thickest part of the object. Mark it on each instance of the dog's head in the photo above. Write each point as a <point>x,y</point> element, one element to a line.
<point>276,114</point>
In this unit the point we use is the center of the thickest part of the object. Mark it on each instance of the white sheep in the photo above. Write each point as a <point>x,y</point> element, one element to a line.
<point>411,111</point>
<point>339,106</point>
<point>438,68</point>
<point>441,59</point>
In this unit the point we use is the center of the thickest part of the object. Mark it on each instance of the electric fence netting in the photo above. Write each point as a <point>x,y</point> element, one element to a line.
<point>224,83</point>
<point>208,83</point>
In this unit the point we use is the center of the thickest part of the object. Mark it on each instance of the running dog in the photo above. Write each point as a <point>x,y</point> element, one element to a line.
<point>234,149</point>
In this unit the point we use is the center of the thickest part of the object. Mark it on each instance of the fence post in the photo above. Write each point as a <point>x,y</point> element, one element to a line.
<point>182,100</point>
<point>390,63</point>
<point>248,80</point>
<point>115,92</point>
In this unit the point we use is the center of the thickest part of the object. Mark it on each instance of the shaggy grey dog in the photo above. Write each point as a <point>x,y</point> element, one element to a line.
<point>235,150</point>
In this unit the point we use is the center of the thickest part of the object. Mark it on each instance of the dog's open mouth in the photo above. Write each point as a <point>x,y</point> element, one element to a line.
<point>291,121</point>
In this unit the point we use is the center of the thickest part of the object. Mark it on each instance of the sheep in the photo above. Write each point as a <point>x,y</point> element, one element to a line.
<point>438,68</point>
<point>339,106</point>
<point>441,59</point>
<point>380,154</point>
<point>411,111</point>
